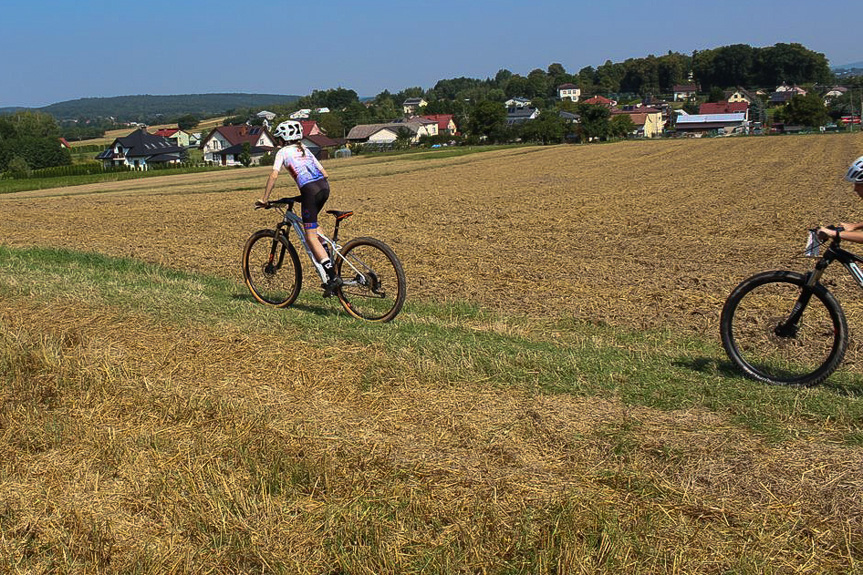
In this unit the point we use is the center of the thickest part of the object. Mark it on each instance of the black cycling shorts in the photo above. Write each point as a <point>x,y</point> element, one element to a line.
<point>314,196</point>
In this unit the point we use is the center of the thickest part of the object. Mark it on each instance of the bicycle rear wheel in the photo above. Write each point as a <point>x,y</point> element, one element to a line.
<point>271,269</point>
<point>757,337</point>
<point>374,287</point>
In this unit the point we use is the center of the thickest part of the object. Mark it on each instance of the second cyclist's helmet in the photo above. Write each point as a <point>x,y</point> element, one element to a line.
<point>289,131</point>
<point>855,172</point>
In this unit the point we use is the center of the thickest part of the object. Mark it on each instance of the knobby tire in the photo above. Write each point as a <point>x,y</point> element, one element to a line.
<point>755,340</point>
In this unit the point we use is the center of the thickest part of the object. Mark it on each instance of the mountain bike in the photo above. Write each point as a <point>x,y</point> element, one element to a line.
<point>786,328</point>
<point>373,280</point>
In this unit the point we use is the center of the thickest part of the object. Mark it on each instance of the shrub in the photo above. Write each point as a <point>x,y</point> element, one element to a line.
<point>18,168</point>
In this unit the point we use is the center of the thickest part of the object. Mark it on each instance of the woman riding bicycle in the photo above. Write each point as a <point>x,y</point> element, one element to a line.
<point>311,179</point>
<point>850,232</point>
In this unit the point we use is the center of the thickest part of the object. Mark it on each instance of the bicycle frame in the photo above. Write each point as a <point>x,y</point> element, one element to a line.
<point>291,220</point>
<point>849,261</point>
<point>834,253</point>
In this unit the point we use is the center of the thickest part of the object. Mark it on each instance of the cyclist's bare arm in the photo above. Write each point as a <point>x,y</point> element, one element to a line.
<point>850,232</point>
<point>271,181</point>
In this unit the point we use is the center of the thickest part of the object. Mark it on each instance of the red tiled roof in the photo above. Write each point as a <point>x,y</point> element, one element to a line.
<point>441,119</point>
<point>723,107</point>
<point>166,132</point>
<point>638,118</point>
<point>638,110</point>
<point>239,134</point>
<point>599,100</point>
<point>323,141</point>
<point>310,128</point>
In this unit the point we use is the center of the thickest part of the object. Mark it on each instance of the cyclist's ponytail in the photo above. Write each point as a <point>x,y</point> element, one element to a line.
<point>301,148</point>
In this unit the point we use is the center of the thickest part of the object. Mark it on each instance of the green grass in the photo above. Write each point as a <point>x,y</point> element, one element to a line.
<point>142,448</point>
<point>440,153</point>
<point>8,186</point>
<point>456,343</point>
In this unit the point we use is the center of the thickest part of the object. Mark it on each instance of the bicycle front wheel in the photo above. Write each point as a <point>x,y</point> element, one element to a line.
<point>374,286</point>
<point>271,268</point>
<point>762,340</point>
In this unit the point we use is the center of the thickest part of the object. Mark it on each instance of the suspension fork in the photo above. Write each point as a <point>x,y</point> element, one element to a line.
<point>789,327</point>
<point>273,265</point>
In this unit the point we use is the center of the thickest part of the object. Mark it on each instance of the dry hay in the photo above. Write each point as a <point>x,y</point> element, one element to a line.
<point>641,234</point>
<point>168,437</point>
<point>175,434</point>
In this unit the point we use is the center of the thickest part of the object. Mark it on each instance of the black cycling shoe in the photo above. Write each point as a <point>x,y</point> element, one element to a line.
<point>332,286</point>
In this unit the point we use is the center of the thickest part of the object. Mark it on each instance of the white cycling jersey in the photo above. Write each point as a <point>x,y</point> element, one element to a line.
<point>304,168</point>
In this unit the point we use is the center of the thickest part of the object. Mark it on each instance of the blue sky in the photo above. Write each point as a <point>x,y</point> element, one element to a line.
<point>56,50</point>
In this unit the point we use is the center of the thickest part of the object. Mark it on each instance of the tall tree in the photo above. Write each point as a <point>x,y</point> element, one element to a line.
<point>808,110</point>
<point>487,118</point>
<point>594,123</point>
<point>34,138</point>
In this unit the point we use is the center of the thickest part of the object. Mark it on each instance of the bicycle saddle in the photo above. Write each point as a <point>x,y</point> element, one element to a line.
<point>340,215</point>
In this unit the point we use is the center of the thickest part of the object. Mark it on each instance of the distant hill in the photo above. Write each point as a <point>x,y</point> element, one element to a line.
<point>848,70</point>
<point>147,108</point>
<point>855,65</point>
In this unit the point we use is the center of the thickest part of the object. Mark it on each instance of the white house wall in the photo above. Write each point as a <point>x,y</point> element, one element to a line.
<point>383,137</point>
<point>216,143</point>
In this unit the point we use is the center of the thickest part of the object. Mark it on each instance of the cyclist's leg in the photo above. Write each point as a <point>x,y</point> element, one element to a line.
<point>314,196</point>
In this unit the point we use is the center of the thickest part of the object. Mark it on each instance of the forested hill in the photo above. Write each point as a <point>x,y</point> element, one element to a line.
<point>146,107</point>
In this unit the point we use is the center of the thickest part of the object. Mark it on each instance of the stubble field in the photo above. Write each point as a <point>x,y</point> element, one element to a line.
<point>134,440</point>
<point>635,234</point>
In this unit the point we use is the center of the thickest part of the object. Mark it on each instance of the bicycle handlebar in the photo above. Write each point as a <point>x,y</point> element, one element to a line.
<point>278,203</point>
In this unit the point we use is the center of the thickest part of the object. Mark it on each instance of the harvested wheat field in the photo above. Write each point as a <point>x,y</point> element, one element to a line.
<point>553,398</point>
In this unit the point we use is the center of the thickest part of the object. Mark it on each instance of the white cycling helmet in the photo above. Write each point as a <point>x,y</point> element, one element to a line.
<point>855,172</point>
<point>289,131</point>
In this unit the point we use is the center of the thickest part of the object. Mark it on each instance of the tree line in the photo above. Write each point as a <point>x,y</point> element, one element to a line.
<point>153,109</point>
<point>30,141</point>
<point>27,139</point>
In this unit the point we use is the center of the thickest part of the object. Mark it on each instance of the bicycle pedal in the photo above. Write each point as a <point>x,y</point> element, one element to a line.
<point>331,287</point>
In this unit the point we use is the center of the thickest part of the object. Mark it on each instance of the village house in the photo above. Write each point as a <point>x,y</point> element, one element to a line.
<point>388,134</point>
<point>425,126</point>
<point>223,145</point>
<point>515,116</point>
<point>600,101</point>
<point>741,95</point>
<point>783,87</point>
<point>321,146</point>
<point>834,92</point>
<point>783,94</point>
<point>685,92</point>
<point>139,150</point>
<point>569,91</point>
<point>176,135</point>
<point>702,124</point>
<point>266,117</point>
<point>301,114</point>
<point>780,98</point>
<point>648,121</point>
<point>311,128</point>
<point>445,123</point>
<point>412,105</point>
<point>517,103</point>
<point>725,107</point>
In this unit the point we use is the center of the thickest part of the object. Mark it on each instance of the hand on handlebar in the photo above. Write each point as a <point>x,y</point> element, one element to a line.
<point>829,232</point>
